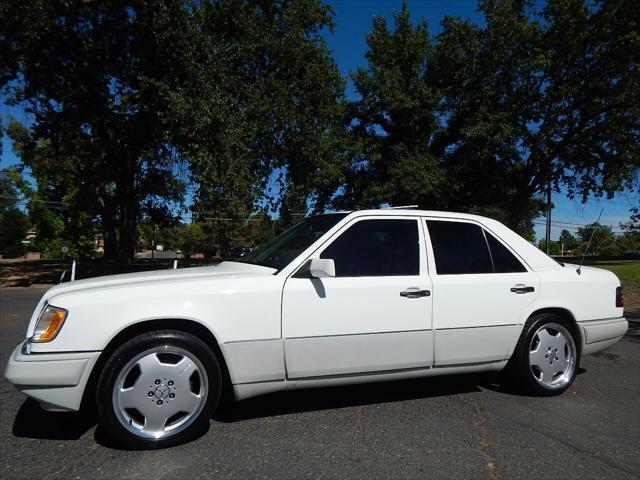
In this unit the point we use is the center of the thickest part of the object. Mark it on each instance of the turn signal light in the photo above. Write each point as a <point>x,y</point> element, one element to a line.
<point>619,299</point>
<point>49,324</point>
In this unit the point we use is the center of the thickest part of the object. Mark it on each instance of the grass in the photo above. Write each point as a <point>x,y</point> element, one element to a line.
<point>628,271</point>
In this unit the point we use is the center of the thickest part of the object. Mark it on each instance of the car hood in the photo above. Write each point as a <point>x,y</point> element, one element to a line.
<point>219,271</point>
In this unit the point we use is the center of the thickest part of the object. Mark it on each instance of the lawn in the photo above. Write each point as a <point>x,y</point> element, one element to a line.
<point>628,271</point>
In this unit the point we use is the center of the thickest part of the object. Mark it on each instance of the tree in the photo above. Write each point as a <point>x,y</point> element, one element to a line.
<point>269,110</point>
<point>96,77</point>
<point>487,117</point>
<point>568,240</point>
<point>13,222</point>
<point>548,97</point>
<point>633,225</point>
<point>395,120</point>
<point>132,99</point>
<point>603,243</point>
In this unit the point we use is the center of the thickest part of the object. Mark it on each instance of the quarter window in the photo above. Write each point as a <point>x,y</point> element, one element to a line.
<point>375,248</point>
<point>503,260</point>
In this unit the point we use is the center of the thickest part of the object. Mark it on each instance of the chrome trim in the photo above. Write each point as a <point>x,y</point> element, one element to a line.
<point>480,326</point>
<point>471,364</point>
<point>359,334</point>
<point>611,319</point>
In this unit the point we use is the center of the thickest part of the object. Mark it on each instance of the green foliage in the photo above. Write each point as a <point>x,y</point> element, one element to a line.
<point>192,238</point>
<point>568,240</point>
<point>13,222</point>
<point>132,100</point>
<point>484,117</point>
<point>243,100</point>
<point>604,242</point>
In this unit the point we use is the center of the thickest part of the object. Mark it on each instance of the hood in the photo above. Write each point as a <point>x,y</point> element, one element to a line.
<point>221,270</point>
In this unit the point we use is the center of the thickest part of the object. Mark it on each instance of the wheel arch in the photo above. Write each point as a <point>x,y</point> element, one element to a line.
<point>567,316</point>
<point>184,325</point>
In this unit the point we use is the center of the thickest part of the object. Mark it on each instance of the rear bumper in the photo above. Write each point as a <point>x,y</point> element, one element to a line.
<point>56,380</point>
<point>600,334</point>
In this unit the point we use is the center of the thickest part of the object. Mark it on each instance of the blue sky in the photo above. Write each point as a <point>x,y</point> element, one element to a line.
<point>353,20</point>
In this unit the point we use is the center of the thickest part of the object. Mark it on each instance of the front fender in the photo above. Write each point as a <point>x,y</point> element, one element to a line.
<point>234,310</point>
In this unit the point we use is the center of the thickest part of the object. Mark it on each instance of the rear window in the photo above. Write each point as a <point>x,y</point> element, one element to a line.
<point>459,248</point>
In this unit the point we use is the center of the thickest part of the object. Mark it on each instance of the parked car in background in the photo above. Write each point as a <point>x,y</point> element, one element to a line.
<point>239,252</point>
<point>338,298</point>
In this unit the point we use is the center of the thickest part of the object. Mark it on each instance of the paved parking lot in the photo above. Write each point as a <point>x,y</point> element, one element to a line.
<point>455,427</point>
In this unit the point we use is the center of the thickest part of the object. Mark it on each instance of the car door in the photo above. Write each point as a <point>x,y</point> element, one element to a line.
<point>374,315</point>
<point>481,289</point>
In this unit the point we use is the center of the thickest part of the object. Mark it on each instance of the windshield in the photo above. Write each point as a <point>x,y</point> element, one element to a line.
<point>280,251</point>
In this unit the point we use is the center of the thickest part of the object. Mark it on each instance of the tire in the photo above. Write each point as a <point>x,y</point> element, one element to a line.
<point>158,389</point>
<point>547,357</point>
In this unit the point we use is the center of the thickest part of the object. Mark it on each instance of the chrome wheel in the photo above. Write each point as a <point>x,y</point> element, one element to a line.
<point>552,356</point>
<point>160,392</point>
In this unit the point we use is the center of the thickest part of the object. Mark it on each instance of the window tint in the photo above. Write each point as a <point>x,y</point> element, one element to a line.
<point>459,248</point>
<point>503,260</point>
<point>373,248</point>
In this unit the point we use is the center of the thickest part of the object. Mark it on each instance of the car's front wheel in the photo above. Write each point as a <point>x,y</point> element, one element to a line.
<point>158,389</point>
<point>546,358</point>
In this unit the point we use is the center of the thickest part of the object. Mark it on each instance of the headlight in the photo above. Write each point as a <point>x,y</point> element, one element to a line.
<point>49,324</point>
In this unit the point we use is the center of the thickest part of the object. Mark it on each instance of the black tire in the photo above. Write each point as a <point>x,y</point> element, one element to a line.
<point>528,377</point>
<point>121,358</point>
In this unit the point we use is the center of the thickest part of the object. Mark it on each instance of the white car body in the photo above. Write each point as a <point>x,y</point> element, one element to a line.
<point>275,331</point>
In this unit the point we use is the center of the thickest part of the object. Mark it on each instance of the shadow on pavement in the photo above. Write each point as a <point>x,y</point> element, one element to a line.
<point>33,422</point>
<point>326,398</point>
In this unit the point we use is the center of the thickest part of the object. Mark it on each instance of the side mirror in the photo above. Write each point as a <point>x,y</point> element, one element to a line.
<point>322,268</point>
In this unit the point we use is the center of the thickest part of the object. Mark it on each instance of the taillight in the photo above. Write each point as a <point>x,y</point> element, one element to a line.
<point>619,300</point>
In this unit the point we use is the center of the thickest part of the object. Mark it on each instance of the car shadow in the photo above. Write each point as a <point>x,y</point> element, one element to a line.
<point>33,422</point>
<point>326,398</point>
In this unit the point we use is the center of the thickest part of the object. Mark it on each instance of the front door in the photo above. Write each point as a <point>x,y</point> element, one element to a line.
<point>374,315</point>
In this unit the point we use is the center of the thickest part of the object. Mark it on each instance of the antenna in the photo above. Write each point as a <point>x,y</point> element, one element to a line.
<point>593,232</point>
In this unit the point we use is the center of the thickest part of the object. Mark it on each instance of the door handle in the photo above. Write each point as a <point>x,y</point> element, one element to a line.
<point>415,293</point>
<point>519,289</point>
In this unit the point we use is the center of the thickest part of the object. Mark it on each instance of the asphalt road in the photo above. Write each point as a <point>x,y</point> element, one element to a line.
<point>453,427</point>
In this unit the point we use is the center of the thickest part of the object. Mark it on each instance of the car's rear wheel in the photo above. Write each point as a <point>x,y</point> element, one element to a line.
<point>158,389</point>
<point>546,358</point>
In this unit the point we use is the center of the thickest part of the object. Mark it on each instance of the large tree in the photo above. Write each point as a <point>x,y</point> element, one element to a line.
<point>270,109</point>
<point>132,99</point>
<point>95,77</point>
<point>485,118</point>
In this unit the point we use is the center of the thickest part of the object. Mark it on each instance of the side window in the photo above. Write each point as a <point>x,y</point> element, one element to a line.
<point>459,248</point>
<point>503,260</point>
<point>375,248</point>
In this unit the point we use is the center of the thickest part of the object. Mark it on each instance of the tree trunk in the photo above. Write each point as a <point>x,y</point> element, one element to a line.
<point>109,235</point>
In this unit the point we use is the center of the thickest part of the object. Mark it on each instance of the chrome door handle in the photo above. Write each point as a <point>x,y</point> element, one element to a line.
<point>415,293</point>
<point>519,289</point>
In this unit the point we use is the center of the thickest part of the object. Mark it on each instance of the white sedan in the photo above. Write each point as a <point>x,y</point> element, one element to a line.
<point>339,298</point>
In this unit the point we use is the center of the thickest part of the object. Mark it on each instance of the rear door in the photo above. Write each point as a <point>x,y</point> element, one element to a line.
<point>374,315</point>
<point>480,291</point>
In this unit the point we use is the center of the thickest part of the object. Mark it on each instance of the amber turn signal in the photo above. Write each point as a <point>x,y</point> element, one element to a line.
<point>49,324</point>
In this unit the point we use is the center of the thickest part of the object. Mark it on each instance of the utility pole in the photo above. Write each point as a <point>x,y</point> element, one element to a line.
<point>548,232</point>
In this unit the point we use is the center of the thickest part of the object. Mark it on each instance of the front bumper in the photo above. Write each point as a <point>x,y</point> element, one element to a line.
<point>56,380</point>
<point>600,334</point>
